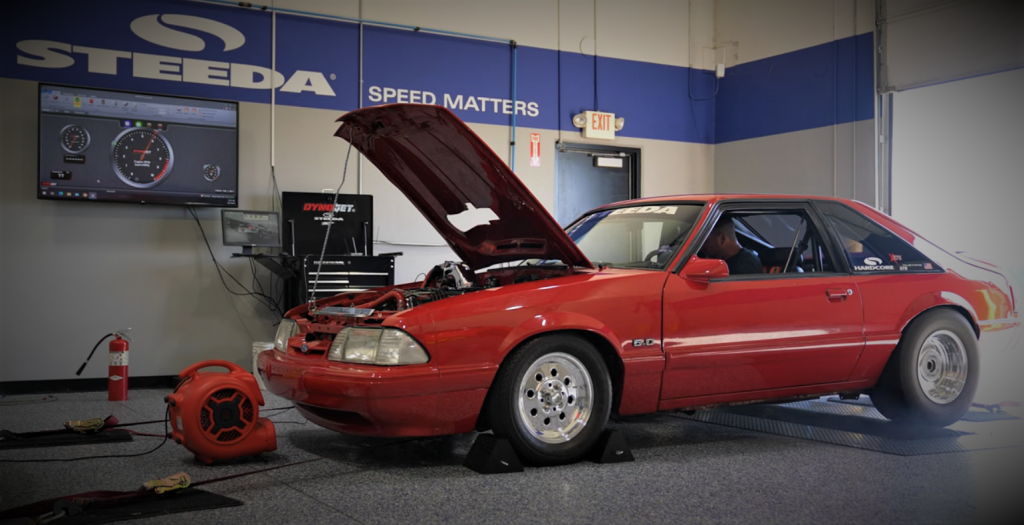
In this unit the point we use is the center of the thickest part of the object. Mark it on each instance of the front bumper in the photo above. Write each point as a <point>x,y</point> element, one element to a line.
<point>356,399</point>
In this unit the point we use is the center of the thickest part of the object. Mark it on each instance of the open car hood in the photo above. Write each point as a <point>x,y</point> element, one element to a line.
<point>445,169</point>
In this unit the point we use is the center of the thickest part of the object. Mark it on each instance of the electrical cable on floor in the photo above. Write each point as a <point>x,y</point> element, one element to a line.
<point>44,399</point>
<point>262,298</point>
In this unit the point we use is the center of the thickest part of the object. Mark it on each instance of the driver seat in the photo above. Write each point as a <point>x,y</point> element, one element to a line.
<point>774,260</point>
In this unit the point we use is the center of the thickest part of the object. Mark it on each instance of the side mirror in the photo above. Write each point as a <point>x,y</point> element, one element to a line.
<point>703,270</point>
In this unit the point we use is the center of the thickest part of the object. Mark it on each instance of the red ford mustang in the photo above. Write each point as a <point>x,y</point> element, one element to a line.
<point>540,333</point>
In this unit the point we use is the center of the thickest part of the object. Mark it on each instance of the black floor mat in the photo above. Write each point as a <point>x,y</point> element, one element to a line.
<point>171,503</point>
<point>974,416</point>
<point>70,438</point>
<point>844,423</point>
<point>853,426</point>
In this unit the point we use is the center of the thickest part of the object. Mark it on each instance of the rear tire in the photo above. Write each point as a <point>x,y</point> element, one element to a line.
<point>551,399</point>
<point>932,375</point>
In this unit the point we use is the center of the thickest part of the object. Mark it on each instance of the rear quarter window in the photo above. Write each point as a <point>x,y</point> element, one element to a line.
<point>869,247</point>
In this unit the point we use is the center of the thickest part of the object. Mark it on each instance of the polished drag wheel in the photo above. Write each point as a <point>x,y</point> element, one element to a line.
<point>942,367</point>
<point>551,400</point>
<point>932,375</point>
<point>555,398</point>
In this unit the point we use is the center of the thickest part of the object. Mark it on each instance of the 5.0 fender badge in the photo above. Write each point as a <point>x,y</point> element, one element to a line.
<point>637,343</point>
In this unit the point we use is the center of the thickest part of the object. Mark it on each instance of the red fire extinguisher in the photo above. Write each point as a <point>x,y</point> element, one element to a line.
<point>117,376</point>
<point>117,358</point>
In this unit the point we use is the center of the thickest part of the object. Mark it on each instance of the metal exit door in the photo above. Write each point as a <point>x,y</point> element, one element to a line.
<point>587,176</point>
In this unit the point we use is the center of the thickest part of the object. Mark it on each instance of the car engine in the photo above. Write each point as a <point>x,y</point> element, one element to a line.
<point>446,280</point>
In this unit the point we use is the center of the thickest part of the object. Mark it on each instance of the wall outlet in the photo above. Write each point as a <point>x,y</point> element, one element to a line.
<point>720,70</point>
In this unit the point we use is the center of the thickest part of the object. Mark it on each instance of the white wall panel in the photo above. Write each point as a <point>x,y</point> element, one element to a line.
<point>958,165</point>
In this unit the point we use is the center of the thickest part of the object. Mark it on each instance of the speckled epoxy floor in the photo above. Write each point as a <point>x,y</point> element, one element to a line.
<point>685,471</point>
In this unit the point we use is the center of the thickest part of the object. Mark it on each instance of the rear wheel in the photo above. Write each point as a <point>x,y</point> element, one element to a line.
<point>932,375</point>
<point>552,399</point>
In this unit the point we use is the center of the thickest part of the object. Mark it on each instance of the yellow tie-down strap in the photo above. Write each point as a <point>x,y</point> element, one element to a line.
<point>85,426</point>
<point>174,482</point>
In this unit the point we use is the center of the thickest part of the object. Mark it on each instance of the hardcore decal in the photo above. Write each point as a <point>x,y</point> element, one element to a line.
<point>874,264</point>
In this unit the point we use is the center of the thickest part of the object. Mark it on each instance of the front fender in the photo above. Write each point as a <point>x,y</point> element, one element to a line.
<point>554,322</point>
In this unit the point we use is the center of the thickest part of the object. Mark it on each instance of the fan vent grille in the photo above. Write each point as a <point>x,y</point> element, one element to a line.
<point>227,414</point>
<point>230,435</point>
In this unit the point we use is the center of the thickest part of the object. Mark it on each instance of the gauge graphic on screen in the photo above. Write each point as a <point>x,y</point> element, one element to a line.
<point>211,172</point>
<point>142,158</point>
<point>74,138</point>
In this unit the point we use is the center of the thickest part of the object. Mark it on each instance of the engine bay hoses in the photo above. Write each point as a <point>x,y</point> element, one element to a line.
<point>397,295</point>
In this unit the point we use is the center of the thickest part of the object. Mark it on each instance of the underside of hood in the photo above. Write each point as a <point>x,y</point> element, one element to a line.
<point>446,170</point>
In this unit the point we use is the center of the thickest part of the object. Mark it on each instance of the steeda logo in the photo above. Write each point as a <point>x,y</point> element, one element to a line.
<point>158,30</point>
<point>150,29</point>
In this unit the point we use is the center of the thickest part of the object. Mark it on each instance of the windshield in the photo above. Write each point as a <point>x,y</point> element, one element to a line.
<point>635,236</point>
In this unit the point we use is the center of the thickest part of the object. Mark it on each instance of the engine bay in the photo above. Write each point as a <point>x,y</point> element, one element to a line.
<point>446,280</point>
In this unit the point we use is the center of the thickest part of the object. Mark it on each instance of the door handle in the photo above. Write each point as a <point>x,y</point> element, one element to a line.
<point>838,293</point>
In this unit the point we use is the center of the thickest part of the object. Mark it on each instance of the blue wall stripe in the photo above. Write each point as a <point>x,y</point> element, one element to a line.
<point>654,99</point>
<point>832,83</point>
<point>783,93</point>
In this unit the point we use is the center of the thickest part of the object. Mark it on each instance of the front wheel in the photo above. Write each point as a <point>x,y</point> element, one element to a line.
<point>552,399</point>
<point>933,373</point>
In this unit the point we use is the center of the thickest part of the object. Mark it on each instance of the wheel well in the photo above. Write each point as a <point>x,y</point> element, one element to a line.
<point>958,309</point>
<point>611,358</point>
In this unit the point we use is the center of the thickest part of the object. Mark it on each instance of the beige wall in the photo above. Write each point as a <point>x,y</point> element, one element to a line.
<point>71,272</point>
<point>819,161</point>
<point>754,29</point>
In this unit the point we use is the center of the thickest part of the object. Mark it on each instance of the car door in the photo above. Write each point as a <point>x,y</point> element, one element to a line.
<point>767,331</point>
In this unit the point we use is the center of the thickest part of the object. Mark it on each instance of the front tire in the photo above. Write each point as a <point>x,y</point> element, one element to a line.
<point>552,399</point>
<point>932,375</point>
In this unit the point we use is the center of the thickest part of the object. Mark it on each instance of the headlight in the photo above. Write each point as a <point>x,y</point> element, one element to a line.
<point>376,346</point>
<point>285,330</point>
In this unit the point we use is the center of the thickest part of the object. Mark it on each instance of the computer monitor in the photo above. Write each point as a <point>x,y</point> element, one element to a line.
<point>119,146</point>
<point>251,228</point>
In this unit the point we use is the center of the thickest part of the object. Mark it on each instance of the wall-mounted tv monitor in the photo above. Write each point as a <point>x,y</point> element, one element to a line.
<point>250,228</point>
<point>105,145</point>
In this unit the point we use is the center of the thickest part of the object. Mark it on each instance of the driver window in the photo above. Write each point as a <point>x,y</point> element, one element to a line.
<point>767,242</point>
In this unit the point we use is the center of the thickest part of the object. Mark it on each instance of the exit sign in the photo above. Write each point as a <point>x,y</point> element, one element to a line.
<point>599,125</point>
